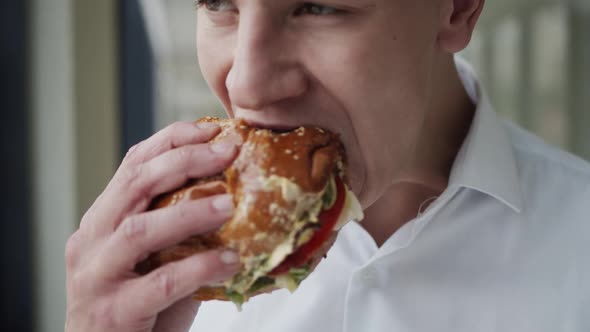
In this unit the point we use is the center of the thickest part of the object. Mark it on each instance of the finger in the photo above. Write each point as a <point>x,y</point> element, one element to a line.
<point>174,168</point>
<point>168,284</point>
<point>148,232</point>
<point>133,189</point>
<point>175,135</point>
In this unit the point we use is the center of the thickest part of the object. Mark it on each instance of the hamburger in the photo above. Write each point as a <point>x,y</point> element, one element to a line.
<point>291,197</point>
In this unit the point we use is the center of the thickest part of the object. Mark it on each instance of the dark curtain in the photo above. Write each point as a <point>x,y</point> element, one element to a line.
<point>137,76</point>
<point>16,304</point>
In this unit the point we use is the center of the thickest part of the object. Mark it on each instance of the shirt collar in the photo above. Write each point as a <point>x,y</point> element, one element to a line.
<point>486,161</point>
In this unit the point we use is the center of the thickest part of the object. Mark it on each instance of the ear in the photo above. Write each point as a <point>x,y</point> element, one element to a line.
<point>458,18</point>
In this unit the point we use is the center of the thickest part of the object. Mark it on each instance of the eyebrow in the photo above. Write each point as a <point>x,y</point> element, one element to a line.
<point>197,3</point>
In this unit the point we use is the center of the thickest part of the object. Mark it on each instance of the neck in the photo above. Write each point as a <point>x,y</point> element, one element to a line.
<point>427,173</point>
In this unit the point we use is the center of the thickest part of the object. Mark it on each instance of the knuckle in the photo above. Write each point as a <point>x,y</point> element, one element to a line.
<point>132,150</point>
<point>164,281</point>
<point>129,176</point>
<point>91,217</point>
<point>166,144</point>
<point>184,155</point>
<point>134,153</point>
<point>72,250</point>
<point>87,217</point>
<point>134,229</point>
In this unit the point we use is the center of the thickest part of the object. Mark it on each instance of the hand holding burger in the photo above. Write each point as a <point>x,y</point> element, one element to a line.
<point>258,212</point>
<point>103,291</point>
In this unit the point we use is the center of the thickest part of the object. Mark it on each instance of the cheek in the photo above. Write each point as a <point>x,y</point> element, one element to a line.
<point>379,82</point>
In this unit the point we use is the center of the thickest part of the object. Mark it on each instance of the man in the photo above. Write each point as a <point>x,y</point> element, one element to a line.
<point>471,224</point>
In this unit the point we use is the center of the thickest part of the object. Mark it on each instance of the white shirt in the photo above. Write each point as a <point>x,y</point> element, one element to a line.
<point>506,247</point>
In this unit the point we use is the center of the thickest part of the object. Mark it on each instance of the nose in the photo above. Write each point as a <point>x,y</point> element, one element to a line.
<point>264,69</point>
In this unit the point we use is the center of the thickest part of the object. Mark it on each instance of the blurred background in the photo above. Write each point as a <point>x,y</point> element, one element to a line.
<point>83,80</point>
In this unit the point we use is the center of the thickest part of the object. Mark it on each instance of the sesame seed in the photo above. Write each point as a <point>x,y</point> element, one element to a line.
<point>288,151</point>
<point>296,157</point>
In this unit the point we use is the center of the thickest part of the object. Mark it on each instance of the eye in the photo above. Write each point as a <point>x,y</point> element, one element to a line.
<point>317,10</point>
<point>215,5</point>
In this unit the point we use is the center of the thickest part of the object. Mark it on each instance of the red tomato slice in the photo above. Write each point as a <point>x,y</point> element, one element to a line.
<point>327,220</point>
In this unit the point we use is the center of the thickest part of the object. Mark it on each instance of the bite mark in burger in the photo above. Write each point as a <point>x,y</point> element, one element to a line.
<point>291,198</point>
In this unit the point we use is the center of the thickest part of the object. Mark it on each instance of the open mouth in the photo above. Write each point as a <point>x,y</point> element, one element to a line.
<point>276,128</point>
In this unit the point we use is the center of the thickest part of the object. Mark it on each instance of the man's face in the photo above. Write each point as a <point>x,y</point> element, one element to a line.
<point>358,67</point>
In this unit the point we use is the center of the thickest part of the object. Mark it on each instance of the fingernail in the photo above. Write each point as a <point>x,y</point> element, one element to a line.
<point>222,147</point>
<point>229,257</point>
<point>207,125</point>
<point>223,203</point>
